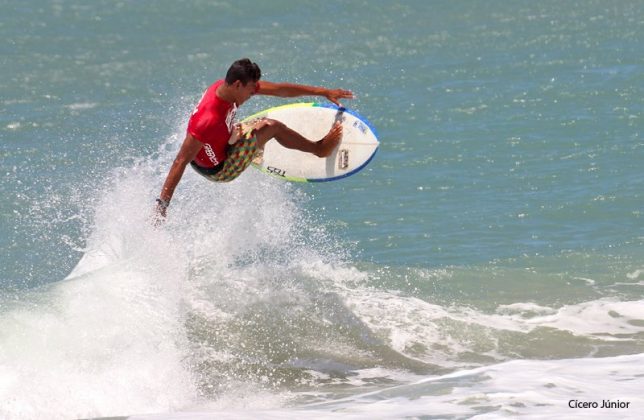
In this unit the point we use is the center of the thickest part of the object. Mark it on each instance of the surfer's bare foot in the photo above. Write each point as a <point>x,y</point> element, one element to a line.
<point>329,142</point>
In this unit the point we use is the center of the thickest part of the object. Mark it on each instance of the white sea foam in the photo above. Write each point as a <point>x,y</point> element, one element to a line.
<point>521,388</point>
<point>117,337</point>
<point>107,340</point>
<point>111,338</point>
<point>104,343</point>
<point>113,334</point>
<point>448,335</point>
<point>538,389</point>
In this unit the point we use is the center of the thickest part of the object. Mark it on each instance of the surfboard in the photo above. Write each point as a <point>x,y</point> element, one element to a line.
<point>313,120</point>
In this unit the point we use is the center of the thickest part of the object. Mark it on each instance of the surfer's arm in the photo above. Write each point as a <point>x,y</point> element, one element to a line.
<point>289,90</point>
<point>188,151</point>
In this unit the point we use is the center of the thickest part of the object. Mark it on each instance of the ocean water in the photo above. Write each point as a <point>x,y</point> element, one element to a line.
<point>489,262</point>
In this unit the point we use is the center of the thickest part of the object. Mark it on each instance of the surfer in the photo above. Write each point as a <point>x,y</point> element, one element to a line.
<point>219,149</point>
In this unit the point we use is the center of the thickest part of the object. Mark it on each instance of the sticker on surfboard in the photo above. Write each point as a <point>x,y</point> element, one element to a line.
<point>312,120</point>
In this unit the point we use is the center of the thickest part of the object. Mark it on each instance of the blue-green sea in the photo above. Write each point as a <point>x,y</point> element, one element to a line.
<point>488,263</point>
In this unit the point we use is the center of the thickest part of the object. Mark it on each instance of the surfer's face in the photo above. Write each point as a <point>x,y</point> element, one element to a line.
<point>244,92</point>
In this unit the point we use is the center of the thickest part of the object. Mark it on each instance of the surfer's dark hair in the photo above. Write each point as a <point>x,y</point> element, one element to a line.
<point>243,70</point>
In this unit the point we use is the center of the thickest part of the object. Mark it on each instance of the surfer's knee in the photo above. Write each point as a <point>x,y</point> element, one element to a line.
<point>267,129</point>
<point>273,125</point>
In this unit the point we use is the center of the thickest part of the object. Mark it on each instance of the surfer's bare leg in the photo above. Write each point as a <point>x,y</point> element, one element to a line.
<point>267,129</point>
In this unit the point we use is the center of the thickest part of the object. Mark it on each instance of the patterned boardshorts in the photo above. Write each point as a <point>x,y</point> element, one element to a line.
<point>240,156</point>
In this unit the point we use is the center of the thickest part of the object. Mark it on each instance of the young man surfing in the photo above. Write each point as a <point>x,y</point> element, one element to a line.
<point>219,149</point>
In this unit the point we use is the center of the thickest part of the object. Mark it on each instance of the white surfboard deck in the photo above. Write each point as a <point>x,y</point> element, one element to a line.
<point>356,149</point>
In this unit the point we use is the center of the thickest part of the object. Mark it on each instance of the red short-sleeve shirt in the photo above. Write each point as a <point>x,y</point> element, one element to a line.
<point>211,123</point>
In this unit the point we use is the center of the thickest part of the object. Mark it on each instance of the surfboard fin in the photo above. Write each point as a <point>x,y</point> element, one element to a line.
<point>339,116</point>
